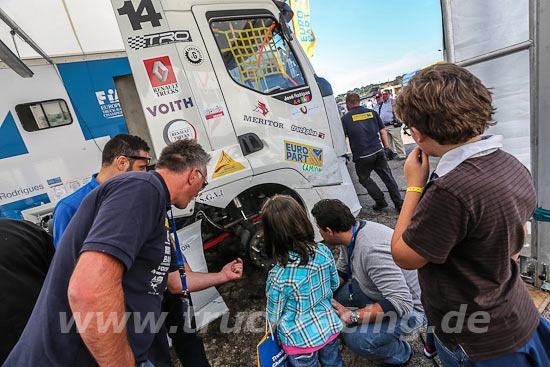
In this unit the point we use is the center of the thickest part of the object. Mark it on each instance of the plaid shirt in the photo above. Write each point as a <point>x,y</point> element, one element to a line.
<point>299,299</point>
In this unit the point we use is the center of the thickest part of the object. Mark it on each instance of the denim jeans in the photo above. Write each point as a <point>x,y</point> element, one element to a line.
<point>380,340</point>
<point>535,353</point>
<point>328,356</point>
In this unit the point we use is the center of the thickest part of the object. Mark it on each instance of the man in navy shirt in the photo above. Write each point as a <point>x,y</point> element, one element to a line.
<point>123,153</point>
<point>101,301</point>
<point>365,129</point>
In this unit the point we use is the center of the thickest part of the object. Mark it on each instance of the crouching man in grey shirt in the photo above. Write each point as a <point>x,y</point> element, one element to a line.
<point>378,301</point>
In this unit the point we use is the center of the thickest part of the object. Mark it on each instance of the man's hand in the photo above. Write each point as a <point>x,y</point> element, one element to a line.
<point>233,270</point>
<point>343,313</point>
<point>389,153</point>
<point>416,171</point>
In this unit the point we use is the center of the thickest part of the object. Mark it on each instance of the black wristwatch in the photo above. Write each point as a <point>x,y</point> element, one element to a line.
<point>354,317</point>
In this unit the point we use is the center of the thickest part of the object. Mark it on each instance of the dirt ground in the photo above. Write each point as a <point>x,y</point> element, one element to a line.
<point>246,300</point>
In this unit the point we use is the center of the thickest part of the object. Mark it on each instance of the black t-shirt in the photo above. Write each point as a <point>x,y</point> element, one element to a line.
<point>26,251</point>
<point>362,126</point>
<point>124,217</point>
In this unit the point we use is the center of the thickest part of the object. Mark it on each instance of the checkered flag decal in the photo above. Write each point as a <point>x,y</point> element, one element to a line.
<point>136,42</point>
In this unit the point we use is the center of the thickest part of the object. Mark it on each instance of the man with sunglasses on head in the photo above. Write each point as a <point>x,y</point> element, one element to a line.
<point>123,153</point>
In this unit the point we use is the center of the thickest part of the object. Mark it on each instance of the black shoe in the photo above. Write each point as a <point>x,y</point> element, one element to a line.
<point>379,206</point>
<point>398,206</point>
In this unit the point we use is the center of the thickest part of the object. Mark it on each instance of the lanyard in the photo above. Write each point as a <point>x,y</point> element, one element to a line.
<point>350,250</point>
<point>179,255</point>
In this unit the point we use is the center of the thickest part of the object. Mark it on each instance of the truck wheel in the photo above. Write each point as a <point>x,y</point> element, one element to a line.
<point>256,249</point>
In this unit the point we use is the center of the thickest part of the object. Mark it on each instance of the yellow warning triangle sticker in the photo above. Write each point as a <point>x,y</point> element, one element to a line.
<point>226,165</point>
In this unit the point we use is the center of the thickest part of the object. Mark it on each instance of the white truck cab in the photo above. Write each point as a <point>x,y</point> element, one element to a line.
<point>233,77</point>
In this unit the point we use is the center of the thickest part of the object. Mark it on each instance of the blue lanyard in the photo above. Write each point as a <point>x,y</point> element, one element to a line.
<point>179,255</point>
<point>350,251</point>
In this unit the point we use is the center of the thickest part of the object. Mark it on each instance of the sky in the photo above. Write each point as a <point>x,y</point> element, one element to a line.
<point>360,42</point>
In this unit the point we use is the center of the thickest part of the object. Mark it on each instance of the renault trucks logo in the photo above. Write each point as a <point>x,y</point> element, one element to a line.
<point>158,39</point>
<point>161,75</point>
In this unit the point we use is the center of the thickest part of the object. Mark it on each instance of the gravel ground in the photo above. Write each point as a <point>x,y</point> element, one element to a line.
<point>246,299</point>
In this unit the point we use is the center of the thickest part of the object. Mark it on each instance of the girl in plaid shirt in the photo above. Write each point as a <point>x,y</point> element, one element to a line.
<point>299,288</point>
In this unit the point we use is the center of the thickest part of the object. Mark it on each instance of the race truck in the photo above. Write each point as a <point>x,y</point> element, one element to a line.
<point>230,75</point>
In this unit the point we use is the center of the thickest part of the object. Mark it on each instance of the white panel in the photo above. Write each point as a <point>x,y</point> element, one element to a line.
<point>508,78</point>
<point>45,22</point>
<point>95,25</point>
<point>481,26</point>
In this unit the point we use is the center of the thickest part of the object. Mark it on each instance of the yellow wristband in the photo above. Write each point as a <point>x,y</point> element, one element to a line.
<point>416,189</point>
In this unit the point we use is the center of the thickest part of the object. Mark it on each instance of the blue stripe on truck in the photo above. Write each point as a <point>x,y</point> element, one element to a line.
<point>91,88</point>
<point>13,209</point>
<point>11,142</point>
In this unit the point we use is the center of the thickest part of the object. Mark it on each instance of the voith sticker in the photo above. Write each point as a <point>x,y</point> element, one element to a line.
<point>161,76</point>
<point>304,154</point>
<point>226,165</point>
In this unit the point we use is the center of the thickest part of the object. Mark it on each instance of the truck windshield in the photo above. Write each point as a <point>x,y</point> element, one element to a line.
<point>257,55</point>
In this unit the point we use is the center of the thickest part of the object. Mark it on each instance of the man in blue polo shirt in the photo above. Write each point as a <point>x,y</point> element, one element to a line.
<point>365,129</point>
<point>123,153</point>
<point>101,301</point>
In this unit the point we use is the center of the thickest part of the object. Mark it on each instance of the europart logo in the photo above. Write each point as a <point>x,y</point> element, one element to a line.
<point>162,76</point>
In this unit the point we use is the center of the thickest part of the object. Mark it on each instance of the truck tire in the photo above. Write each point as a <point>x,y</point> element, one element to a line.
<point>255,249</point>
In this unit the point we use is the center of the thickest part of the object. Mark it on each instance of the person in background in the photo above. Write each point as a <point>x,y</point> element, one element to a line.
<point>464,227</point>
<point>379,301</point>
<point>393,126</point>
<point>26,251</point>
<point>123,153</point>
<point>365,130</point>
<point>299,288</point>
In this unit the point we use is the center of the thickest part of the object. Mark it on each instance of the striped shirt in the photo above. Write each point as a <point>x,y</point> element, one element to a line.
<point>468,224</point>
<point>299,299</point>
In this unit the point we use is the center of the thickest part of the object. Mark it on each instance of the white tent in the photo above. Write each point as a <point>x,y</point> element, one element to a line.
<point>62,27</point>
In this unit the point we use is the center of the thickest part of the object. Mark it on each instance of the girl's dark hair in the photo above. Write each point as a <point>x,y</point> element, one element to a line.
<point>287,228</point>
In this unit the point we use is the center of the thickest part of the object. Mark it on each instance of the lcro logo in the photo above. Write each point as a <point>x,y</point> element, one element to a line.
<point>160,71</point>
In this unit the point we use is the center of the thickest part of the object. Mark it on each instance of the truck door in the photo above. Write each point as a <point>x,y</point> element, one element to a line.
<point>178,89</point>
<point>271,95</point>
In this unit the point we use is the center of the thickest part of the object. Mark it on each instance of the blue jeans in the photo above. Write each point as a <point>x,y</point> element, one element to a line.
<point>535,353</point>
<point>328,356</point>
<point>379,340</point>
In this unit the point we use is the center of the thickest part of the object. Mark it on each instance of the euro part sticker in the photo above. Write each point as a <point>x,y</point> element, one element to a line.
<point>362,116</point>
<point>162,76</point>
<point>178,130</point>
<point>226,165</point>
<point>304,154</point>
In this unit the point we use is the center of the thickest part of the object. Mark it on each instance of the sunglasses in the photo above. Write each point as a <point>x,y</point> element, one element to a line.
<point>205,183</point>
<point>148,159</point>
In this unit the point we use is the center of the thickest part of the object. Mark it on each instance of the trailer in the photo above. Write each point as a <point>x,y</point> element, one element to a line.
<point>506,43</point>
<point>230,75</point>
